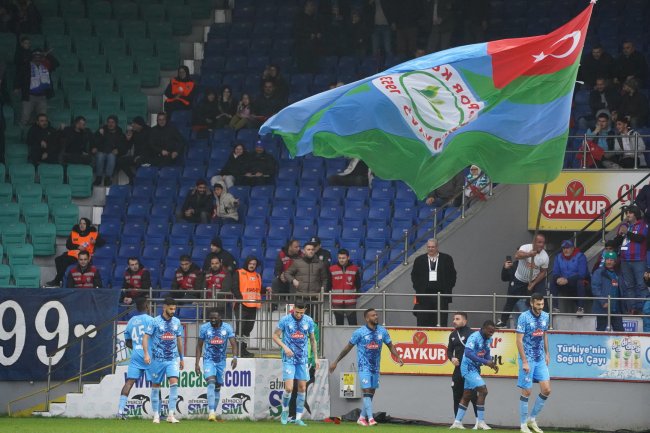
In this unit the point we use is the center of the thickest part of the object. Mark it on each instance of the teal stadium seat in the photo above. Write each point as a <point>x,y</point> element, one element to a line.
<point>5,274</point>
<point>3,172</point>
<point>27,276</point>
<point>13,233</point>
<point>43,238</point>
<point>50,174</point>
<point>7,47</point>
<point>35,212</point>
<point>58,194</point>
<point>64,216</point>
<point>15,153</point>
<point>47,8</point>
<point>80,179</point>
<point>9,213</point>
<point>29,193</point>
<point>20,255</point>
<point>6,192</point>
<point>149,71</point>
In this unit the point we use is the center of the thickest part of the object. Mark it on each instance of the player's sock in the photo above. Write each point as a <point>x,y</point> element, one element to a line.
<point>539,405</point>
<point>523,409</point>
<point>155,400</point>
<point>300,405</point>
<point>120,408</point>
<point>461,412</point>
<point>480,412</point>
<point>173,396</point>
<point>217,397</point>
<point>367,405</point>
<point>286,397</point>
<point>211,405</point>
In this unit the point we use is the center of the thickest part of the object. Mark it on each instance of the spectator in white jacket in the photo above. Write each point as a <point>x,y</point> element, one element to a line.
<point>225,206</point>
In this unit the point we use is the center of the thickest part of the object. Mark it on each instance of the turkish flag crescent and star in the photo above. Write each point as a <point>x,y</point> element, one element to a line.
<point>538,55</point>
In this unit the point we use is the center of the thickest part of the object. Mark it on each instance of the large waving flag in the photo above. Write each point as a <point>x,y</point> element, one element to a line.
<point>502,105</point>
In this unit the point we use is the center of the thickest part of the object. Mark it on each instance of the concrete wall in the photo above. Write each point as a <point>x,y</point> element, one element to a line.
<point>590,405</point>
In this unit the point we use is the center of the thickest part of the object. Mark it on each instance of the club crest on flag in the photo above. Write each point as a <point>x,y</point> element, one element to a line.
<point>434,102</point>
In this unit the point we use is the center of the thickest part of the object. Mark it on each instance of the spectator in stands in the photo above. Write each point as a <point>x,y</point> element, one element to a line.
<point>43,142</point>
<point>198,204</point>
<point>280,85</point>
<point>5,17</point>
<point>35,84</point>
<point>632,243</point>
<point>631,64</point>
<point>137,281</point>
<point>643,202</point>
<point>477,184</point>
<point>358,35</point>
<point>108,143</point>
<point>247,287</point>
<point>204,115</point>
<point>603,97</point>
<point>474,16</point>
<point>308,35</point>
<point>179,93</point>
<point>633,104</point>
<point>598,65</point>
<point>307,274</point>
<point>137,147</point>
<point>286,256</point>
<point>606,281</point>
<point>438,22</point>
<point>646,304</point>
<point>261,167</point>
<point>218,279</point>
<point>406,16</point>
<point>570,274</point>
<point>321,253</point>
<point>529,276</point>
<point>380,14</point>
<point>22,56</point>
<point>25,17</point>
<point>355,174</point>
<point>225,206</point>
<point>334,30</point>
<point>83,237</point>
<point>216,250</point>
<point>188,281</point>
<point>449,193</point>
<point>242,116</point>
<point>602,135</point>
<point>631,145</point>
<point>345,284</point>
<point>235,167</point>
<point>610,245</point>
<point>227,107</point>
<point>75,142</point>
<point>266,105</point>
<point>165,142</point>
<point>84,275</point>
<point>432,272</point>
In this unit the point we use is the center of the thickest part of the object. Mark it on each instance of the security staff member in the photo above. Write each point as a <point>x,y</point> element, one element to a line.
<point>345,283</point>
<point>84,275</point>
<point>455,352</point>
<point>136,280</point>
<point>247,286</point>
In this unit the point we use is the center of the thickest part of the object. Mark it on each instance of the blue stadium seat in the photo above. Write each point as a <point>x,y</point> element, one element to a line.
<point>150,172</point>
<point>291,173</point>
<point>132,232</point>
<point>169,173</point>
<point>284,212</point>
<point>106,252</point>
<point>328,232</point>
<point>334,192</point>
<point>377,232</point>
<point>181,234</point>
<point>262,191</point>
<point>302,232</point>
<point>110,231</point>
<point>206,232</point>
<point>286,192</point>
<point>126,251</point>
<point>199,254</point>
<point>255,231</point>
<point>138,210</point>
<point>114,210</point>
<point>175,251</point>
<point>380,214</point>
<point>153,254</point>
<point>119,190</point>
<point>307,211</point>
<point>331,212</point>
<point>358,193</point>
<point>352,231</point>
<point>157,232</point>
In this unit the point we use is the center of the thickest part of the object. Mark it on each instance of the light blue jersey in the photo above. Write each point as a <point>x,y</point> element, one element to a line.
<point>295,335</point>
<point>134,332</point>
<point>215,341</point>
<point>369,343</point>
<point>480,346</point>
<point>533,327</point>
<point>163,335</point>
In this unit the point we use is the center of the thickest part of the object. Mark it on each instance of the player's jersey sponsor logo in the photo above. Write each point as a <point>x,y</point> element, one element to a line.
<point>372,345</point>
<point>216,340</point>
<point>297,335</point>
<point>538,333</point>
<point>167,336</point>
<point>481,353</point>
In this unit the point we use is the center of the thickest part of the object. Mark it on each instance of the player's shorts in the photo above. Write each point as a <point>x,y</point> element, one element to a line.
<point>137,368</point>
<point>158,370</point>
<point>211,368</point>
<point>369,380</point>
<point>295,371</point>
<point>538,373</point>
<point>473,379</point>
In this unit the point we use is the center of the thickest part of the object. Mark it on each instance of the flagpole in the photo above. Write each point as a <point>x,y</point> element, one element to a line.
<point>539,218</point>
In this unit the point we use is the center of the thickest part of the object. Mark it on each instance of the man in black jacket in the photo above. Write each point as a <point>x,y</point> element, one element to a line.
<point>43,142</point>
<point>455,353</point>
<point>261,167</point>
<point>108,143</point>
<point>75,140</point>
<point>165,143</point>
<point>198,204</point>
<point>432,272</point>
<point>137,154</point>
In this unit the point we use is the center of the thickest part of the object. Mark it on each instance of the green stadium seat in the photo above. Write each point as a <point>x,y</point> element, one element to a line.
<point>60,116</point>
<point>29,193</point>
<point>125,11</point>
<point>134,29</point>
<point>92,119</point>
<point>121,66</point>
<point>153,13</point>
<point>15,153</point>
<point>135,104</point>
<point>47,8</point>
<point>99,9</point>
<point>5,274</point>
<point>20,255</point>
<point>78,27</point>
<point>159,30</point>
<point>58,194</point>
<point>6,192</point>
<point>129,84</point>
<point>53,25</point>
<point>35,213</point>
<point>13,233</point>
<point>113,46</point>
<point>49,174</point>
<point>43,238</point>
<point>94,65</point>
<point>73,83</point>
<point>141,48</point>
<point>181,20</point>
<point>68,63</point>
<point>27,276</point>
<point>86,47</point>
<point>64,216</point>
<point>13,133</point>
<point>108,103</point>
<point>3,172</point>
<point>22,173</point>
<point>149,71</point>
<point>169,54</point>
<point>80,102</point>
<point>106,27</point>
<point>200,9</point>
<point>37,40</point>
<point>80,179</point>
<point>7,47</point>
<point>59,43</point>
<point>101,85</point>
<point>73,9</point>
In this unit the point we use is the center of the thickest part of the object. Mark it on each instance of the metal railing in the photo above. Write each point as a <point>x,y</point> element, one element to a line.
<point>588,158</point>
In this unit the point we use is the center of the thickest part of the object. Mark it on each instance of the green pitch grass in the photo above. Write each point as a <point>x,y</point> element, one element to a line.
<point>68,425</point>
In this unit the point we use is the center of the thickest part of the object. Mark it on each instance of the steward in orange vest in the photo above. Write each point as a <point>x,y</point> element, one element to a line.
<point>247,286</point>
<point>179,92</point>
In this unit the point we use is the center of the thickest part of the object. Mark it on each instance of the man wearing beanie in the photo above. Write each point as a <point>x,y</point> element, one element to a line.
<point>216,250</point>
<point>605,282</point>
<point>570,272</point>
<point>260,168</point>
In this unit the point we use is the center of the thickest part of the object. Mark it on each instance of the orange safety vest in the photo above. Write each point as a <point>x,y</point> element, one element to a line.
<point>250,286</point>
<point>181,90</point>
<point>83,240</point>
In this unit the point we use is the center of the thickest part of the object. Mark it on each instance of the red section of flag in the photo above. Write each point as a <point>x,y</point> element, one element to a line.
<point>538,55</point>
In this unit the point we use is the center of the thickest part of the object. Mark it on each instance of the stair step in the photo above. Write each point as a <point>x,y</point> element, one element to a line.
<point>57,409</point>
